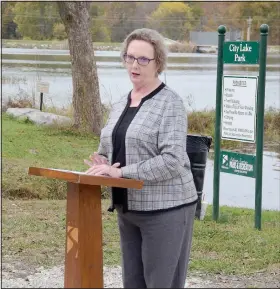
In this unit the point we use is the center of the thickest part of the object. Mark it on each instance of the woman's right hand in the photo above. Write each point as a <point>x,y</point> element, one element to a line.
<point>96,159</point>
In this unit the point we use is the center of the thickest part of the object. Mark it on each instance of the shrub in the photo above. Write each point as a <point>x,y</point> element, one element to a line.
<point>59,31</point>
<point>180,47</point>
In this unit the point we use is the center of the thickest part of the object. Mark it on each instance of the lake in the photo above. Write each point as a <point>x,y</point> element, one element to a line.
<point>192,75</point>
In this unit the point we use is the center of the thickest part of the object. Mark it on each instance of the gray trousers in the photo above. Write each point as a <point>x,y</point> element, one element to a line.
<point>156,247</point>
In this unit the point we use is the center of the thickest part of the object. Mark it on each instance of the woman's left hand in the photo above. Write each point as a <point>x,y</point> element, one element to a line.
<point>100,170</point>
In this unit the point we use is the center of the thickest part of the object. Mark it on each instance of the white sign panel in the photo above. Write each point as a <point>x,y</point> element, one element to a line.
<point>43,87</point>
<point>239,108</point>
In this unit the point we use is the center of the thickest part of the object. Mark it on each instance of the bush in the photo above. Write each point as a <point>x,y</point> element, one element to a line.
<point>59,31</point>
<point>180,47</point>
<point>100,33</point>
<point>20,102</point>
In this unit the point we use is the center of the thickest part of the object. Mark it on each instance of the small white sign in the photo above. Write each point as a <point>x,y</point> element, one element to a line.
<point>43,87</point>
<point>239,108</point>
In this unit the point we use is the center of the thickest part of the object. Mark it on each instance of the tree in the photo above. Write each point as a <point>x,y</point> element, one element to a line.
<point>122,19</point>
<point>173,20</point>
<point>99,28</point>
<point>214,15</point>
<point>9,27</point>
<point>35,20</point>
<point>197,20</point>
<point>86,98</point>
<point>59,31</point>
<point>260,12</point>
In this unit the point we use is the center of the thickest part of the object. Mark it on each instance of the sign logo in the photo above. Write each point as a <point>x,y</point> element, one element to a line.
<point>239,164</point>
<point>225,160</point>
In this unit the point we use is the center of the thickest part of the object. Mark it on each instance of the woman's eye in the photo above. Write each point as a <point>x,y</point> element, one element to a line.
<point>143,59</point>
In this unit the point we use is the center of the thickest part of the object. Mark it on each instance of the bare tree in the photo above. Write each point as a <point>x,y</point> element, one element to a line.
<point>86,98</point>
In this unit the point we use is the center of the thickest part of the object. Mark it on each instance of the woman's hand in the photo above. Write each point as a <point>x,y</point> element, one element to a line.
<point>96,159</point>
<point>105,169</point>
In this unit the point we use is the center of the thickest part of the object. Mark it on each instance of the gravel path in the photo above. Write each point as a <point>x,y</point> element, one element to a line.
<point>53,278</point>
<point>18,277</point>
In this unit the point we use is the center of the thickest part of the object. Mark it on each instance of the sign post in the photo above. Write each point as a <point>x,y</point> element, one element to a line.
<point>42,87</point>
<point>240,114</point>
<point>260,125</point>
<point>220,70</point>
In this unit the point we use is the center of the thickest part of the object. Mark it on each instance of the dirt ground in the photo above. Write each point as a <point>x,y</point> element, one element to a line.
<point>263,279</point>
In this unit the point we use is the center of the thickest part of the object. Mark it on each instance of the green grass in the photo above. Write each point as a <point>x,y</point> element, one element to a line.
<point>5,41</point>
<point>25,144</point>
<point>232,245</point>
<point>65,58</point>
<point>34,233</point>
<point>33,208</point>
<point>52,44</point>
<point>63,44</point>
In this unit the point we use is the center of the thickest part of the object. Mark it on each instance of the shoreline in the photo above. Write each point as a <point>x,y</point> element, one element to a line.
<point>102,46</point>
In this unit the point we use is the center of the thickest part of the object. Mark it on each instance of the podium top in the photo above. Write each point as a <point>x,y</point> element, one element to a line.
<point>82,178</point>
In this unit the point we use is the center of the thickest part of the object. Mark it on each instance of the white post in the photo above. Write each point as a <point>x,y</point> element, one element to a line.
<point>249,21</point>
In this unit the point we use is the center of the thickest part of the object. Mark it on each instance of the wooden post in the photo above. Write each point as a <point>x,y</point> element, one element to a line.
<point>83,237</point>
<point>83,250</point>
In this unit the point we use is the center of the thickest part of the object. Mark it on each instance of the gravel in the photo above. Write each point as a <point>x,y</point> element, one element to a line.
<point>53,278</point>
<point>21,276</point>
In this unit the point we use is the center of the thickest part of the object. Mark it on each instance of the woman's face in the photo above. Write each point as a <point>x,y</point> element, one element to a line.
<point>146,71</point>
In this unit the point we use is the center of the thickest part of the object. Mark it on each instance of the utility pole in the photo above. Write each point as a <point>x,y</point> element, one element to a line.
<point>249,21</point>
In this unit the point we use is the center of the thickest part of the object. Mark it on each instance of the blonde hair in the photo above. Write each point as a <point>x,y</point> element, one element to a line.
<point>152,37</point>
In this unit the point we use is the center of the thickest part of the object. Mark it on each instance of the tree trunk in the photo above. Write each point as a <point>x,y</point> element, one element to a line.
<point>86,98</point>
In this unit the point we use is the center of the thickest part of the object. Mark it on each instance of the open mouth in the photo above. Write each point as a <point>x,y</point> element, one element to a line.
<point>135,74</point>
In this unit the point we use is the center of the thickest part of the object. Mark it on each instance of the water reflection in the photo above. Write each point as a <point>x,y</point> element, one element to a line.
<point>192,75</point>
<point>195,84</point>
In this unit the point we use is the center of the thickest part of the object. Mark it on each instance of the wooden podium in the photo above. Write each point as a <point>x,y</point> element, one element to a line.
<point>84,254</point>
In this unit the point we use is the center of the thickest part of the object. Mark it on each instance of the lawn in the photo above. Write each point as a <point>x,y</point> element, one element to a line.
<point>33,209</point>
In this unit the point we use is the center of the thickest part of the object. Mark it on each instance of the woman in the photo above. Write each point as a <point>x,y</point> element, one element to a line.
<point>145,138</point>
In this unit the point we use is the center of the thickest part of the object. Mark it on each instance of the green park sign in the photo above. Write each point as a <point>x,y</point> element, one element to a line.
<point>236,163</point>
<point>241,52</point>
<point>240,103</point>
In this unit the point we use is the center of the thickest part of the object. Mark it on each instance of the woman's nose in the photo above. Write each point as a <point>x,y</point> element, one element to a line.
<point>135,63</point>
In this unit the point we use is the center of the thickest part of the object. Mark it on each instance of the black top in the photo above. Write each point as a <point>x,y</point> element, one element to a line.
<point>119,148</point>
<point>120,136</point>
<point>119,195</point>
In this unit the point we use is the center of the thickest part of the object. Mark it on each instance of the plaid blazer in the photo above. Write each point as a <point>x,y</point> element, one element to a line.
<point>155,145</point>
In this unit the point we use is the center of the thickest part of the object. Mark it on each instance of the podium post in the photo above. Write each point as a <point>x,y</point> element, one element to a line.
<point>83,248</point>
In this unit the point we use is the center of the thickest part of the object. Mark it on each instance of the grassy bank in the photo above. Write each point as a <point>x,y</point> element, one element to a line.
<point>54,44</point>
<point>203,122</point>
<point>34,233</point>
<point>25,144</point>
<point>63,44</point>
<point>107,46</point>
